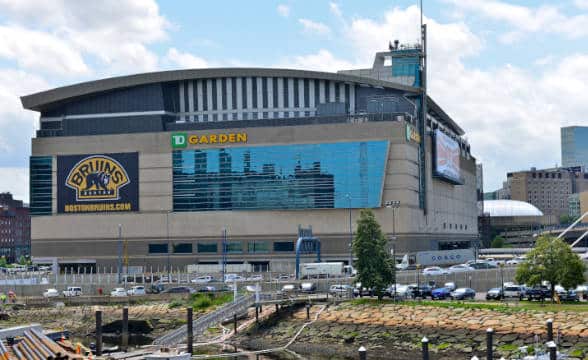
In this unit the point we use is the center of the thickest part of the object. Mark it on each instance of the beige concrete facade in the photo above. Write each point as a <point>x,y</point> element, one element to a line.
<point>451,209</point>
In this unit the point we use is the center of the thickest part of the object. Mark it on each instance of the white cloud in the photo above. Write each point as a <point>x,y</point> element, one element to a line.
<point>545,18</point>
<point>283,10</point>
<point>581,4</point>
<point>16,181</point>
<point>335,10</point>
<point>323,60</point>
<point>114,32</point>
<point>184,60</point>
<point>313,27</point>
<point>40,51</point>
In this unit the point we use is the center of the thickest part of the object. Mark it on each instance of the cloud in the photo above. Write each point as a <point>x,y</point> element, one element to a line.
<point>114,32</point>
<point>184,60</point>
<point>322,60</point>
<point>36,50</point>
<point>335,10</point>
<point>15,181</point>
<point>313,27</point>
<point>544,18</point>
<point>283,10</point>
<point>581,4</point>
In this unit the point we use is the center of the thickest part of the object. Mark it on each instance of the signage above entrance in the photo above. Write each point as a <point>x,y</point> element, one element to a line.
<point>182,140</point>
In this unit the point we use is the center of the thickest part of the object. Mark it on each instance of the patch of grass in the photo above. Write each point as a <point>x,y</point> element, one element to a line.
<point>577,353</point>
<point>443,346</point>
<point>508,347</point>
<point>175,303</point>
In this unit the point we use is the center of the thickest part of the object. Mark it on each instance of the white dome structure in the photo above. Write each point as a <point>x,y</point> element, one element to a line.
<point>510,208</point>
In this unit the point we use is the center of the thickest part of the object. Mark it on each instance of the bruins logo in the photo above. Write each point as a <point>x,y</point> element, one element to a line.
<point>97,177</point>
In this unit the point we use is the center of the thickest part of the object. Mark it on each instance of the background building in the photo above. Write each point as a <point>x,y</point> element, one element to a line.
<point>176,157</point>
<point>517,222</point>
<point>15,228</point>
<point>574,146</point>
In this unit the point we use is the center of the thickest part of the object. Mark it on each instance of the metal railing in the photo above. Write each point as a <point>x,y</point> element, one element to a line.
<point>203,323</point>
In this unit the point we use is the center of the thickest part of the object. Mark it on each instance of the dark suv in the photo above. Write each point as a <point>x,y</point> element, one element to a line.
<point>538,293</point>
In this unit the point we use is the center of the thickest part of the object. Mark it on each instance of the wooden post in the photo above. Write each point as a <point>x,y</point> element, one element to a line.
<point>307,311</point>
<point>125,329</point>
<point>362,353</point>
<point>257,314</point>
<point>549,329</point>
<point>235,322</point>
<point>98,333</point>
<point>190,330</point>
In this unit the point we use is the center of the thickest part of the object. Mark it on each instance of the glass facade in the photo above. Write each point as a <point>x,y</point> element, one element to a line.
<point>299,176</point>
<point>574,146</point>
<point>258,247</point>
<point>207,247</point>
<point>41,168</point>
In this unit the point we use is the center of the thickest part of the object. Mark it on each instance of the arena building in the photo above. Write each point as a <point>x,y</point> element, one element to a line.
<point>173,159</point>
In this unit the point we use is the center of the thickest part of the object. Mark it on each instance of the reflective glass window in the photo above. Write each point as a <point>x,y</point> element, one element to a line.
<point>40,184</point>
<point>299,176</point>
<point>234,247</point>
<point>207,247</point>
<point>157,248</point>
<point>258,247</point>
<point>284,246</point>
<point>182,248</point>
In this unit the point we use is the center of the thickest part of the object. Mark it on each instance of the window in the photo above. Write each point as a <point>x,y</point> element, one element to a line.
<point>284,246</point>
<point>207,247</point>
<point>299,176</point>
<point>183,248</point>
<point>157,248</point>
<point>234,247</point>
<point>258,247</point>
<point>41,182</point>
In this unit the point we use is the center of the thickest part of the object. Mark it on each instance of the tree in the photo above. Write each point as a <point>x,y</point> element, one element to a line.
<point>3,262</point>
<point>566,219</point>
<point>554,261</point>
<point>497,242</point>
<point>375,268</point>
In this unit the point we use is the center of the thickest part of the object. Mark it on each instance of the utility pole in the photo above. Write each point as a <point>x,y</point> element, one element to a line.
<point>224,254</point>
<point>119,267</point>
<point>350,233</point>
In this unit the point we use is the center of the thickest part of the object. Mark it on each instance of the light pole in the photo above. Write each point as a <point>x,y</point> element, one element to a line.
<point>501,280</point>
<point>168,247</point>
<point>348,196</point>
<point>418,290</point>
<point>119,267</point>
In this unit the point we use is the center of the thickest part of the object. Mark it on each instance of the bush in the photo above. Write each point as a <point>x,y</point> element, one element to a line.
<point>175,303</point>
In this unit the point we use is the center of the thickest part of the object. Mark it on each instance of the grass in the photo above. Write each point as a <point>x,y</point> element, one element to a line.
<point>508,347</point>
<point>493,306</point>
<point>202,301</point>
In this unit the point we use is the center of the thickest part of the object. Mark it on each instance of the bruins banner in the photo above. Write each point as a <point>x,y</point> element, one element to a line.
<point>98,183</point>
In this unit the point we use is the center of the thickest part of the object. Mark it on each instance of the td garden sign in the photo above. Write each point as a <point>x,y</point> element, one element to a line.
<point>182,140</point>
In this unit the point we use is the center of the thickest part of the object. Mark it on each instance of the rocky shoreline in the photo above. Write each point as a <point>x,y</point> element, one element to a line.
<point>395,331</point>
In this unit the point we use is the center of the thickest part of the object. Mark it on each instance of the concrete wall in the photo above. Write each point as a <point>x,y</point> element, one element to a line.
<point>96,235</point>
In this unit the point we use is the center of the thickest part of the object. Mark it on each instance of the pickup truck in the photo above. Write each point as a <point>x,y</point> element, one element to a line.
<point>538,293</point>
<point>72,291</point>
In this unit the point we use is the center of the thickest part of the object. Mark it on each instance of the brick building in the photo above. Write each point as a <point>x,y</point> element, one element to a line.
<point>15,228</point>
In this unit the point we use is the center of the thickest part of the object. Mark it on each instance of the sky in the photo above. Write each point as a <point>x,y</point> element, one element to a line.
<point>510,73</point>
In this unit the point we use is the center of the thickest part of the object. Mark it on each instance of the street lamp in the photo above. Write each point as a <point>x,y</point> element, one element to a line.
<point>418,291</point>
<point>168,247</point>
<point>119,267</point>
<point>348,196</point>
<point>501,279</point>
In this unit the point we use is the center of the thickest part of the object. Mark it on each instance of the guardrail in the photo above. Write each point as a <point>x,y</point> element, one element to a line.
<point>96,300</point>
<point>204,322</point>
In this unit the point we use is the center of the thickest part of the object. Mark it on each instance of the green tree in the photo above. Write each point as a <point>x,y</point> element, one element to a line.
<point>375,268</point>
<point>554,261</point>
<point>22,260</point>
<point>497,242</point>
<point>3,262</point>
<point>566,219</point>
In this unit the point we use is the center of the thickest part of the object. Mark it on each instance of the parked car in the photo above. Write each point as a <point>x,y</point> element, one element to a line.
<point>282,277</point>
<point>72,291</point>
<point>514,291</point>
<point>202,279</point>
<point>207,289</point>
<point>136,290</point>
<point>440,293</point>
<point>435,270</point>
<point>568,295</point>
<point>582,290</point>
<point>401,291</point>
<point>516,260</point>
<point>179,290</point>
<point>49,293</point>
<point>340,289</point>
<point>460,268</point>
<point>118,292</point>
<point>234,278</point>
<point>463,294</point>
<point>362,291</point>
<point>482,265</point>
<point>255,278</point>
<point>422,291</point>
<point>538,293</point>
<point>308,287</point>
<point>156,288</point>
<point>450,285</point>
<point>494,294</point>
<point>289,288</point>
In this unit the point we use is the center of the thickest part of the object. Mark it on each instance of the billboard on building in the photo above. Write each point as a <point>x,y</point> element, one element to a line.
<point>98,183</point>
<point>446,154</point>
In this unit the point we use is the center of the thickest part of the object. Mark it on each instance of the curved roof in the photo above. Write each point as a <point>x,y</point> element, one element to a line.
<point>504,208</point>
<point>39,100</point>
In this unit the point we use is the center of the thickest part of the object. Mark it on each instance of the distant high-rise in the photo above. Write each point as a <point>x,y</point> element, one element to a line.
<point>574,146</point>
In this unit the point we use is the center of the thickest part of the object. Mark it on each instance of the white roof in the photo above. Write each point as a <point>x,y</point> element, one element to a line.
<point>503,208</point>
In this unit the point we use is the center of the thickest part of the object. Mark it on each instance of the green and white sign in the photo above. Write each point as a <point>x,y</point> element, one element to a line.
<point>179,140</point>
